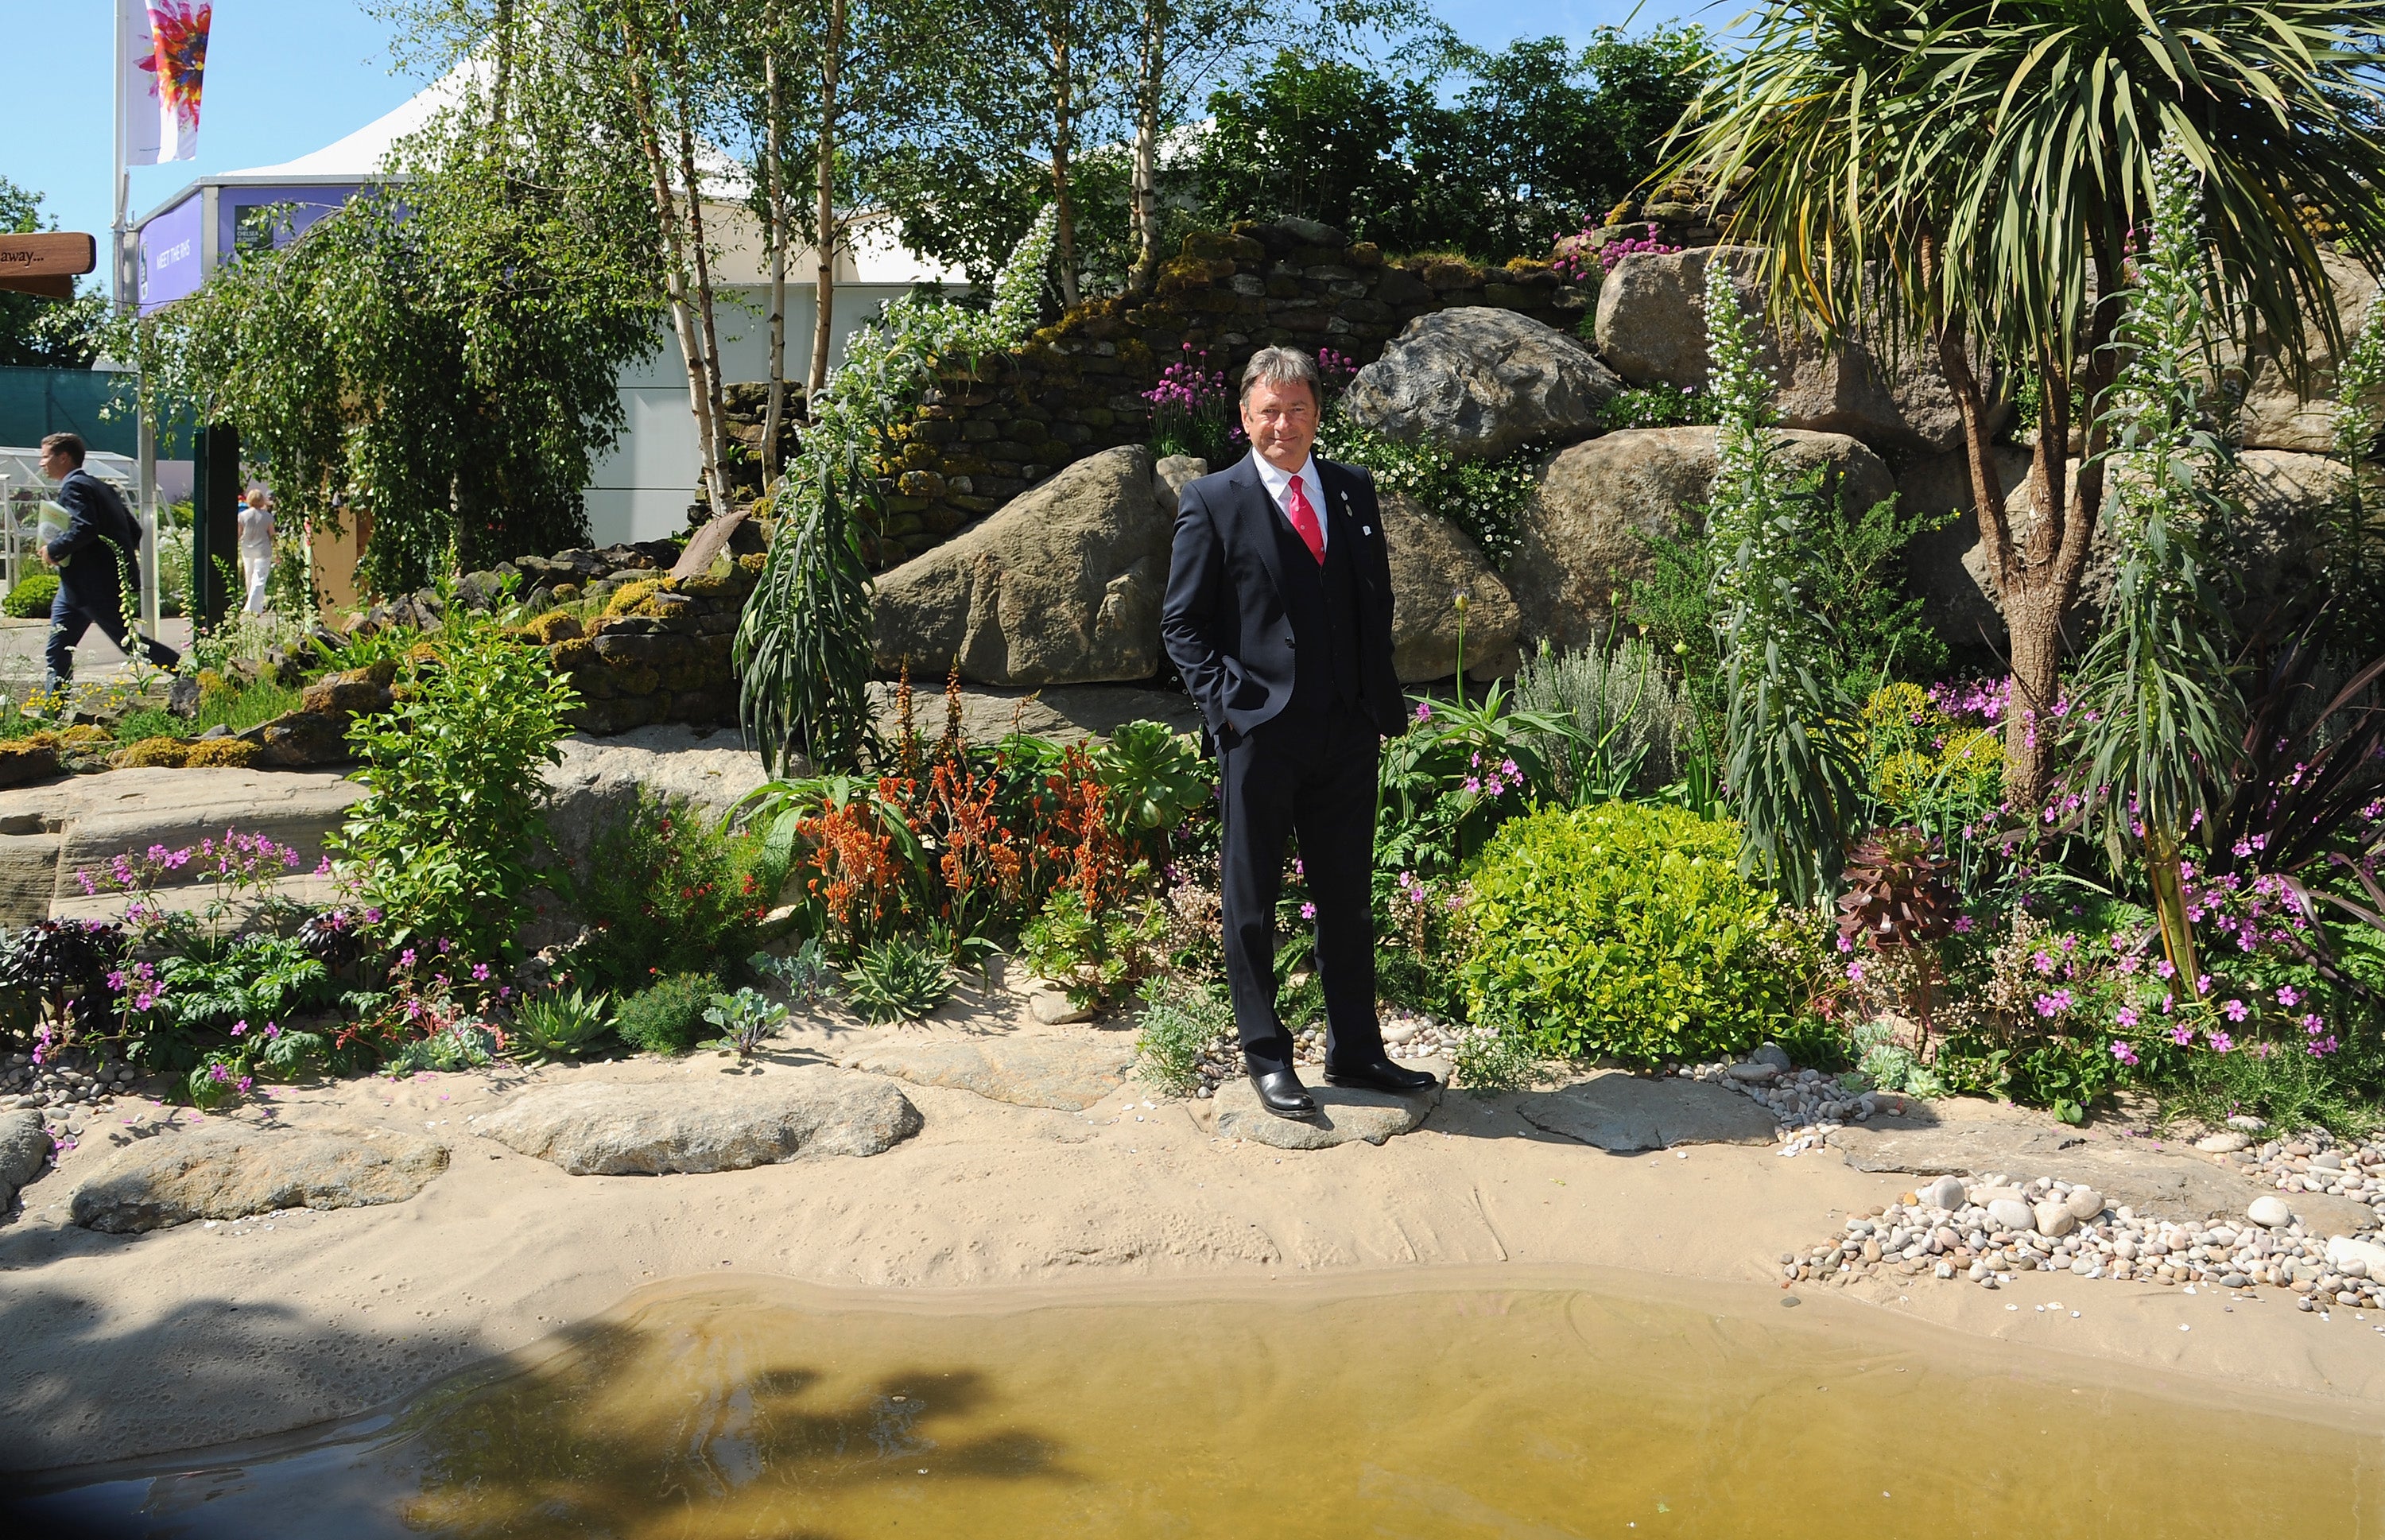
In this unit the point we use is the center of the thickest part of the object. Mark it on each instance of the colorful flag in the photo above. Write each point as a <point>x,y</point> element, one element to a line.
<point>162,59</point>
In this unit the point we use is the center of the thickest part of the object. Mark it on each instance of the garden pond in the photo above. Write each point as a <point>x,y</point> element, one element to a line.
<point>1570,1405</point>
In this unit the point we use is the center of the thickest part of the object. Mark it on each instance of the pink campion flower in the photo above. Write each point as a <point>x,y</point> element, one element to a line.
<point>480,972</point>
<point>1845,946</point>
<point>1508,768</point>
<point>2042,962</point>
<point>237,1028</point>
<point>2125,1016</point>
<point>2314,1023</point>
<point>2221,1042</point>
<point>1424,712</point>
<point>2235,1010</point>
<point>2166,969</point>
<point>1308,911</point>
<point>443,944</point>
<point>89,887</point>
<point>2182,1035</point>
<point>406,959</point>
<point>2125,1053</point>
<point>273,1031</point>
<point>1856,972</point>
<point>1962,924</point>
<point>1470,785</point>
<point>247,1081</point>
<point>2128,963</point>
<point>1300,868</point>
<point>2288,995</point>
<point>323,867</point>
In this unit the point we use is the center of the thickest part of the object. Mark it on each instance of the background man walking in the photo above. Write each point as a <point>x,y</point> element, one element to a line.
<point>97,559</point>
<point>1278,617</point>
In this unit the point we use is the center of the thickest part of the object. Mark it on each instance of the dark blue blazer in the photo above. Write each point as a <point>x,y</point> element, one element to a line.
<point>1224,621</point>
<point>88,572</point>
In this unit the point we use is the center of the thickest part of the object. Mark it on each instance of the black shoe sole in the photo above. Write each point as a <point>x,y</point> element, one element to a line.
<point>1292,1114</point>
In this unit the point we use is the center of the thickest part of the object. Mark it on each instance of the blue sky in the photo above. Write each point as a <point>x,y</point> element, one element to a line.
<point>285,77</point>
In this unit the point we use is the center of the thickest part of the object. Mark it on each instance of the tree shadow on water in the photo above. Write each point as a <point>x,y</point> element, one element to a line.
<point>643,1420</point>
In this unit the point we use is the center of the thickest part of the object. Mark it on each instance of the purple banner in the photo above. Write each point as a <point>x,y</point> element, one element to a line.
<point>171,254</point>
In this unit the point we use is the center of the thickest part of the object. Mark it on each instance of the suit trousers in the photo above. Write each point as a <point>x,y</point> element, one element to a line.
<point>1312,775</point>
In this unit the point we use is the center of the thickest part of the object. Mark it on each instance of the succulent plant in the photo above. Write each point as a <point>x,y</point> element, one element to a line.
<point>1896,893</point>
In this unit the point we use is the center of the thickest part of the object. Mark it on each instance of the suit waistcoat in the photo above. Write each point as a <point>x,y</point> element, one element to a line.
<point>1321,602</point>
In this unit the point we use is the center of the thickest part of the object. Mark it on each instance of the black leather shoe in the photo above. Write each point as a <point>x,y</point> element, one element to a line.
<point>1281,1094</point>
<point>1383,1075</point>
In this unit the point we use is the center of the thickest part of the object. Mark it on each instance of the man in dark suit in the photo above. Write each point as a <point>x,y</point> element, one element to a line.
<point>1278,617</point>
<point>97,559</point>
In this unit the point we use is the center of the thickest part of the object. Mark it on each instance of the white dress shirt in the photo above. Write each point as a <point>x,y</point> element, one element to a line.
<point>1278,486</point>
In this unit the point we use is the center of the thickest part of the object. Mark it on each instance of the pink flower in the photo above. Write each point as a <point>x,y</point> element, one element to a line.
<point>2124,1053</point>
<point>1308,911</point>
<point>2125,1016</point>
<point>2288,995</point>
<point>1963,924</point>
<point>2235,1010</point>
<point>2221,1042</point>
<point>2182,1035</point>
<point>479,971</point>
<point>237,1028</point>
<point>1424,712</point>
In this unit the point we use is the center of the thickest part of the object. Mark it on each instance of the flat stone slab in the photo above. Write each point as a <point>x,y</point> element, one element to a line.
<point>693,1124</point>
<point>1622,1112</point>
<point>2154,1181</point>
<point>1025,1071</point>
<point>598,780</point>
<point>49,833</point>
<point>24,1150</point>
<point>1344,1117</point>
<point>228,1173</point>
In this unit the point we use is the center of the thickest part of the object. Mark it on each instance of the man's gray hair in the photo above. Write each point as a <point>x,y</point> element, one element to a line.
<point>1282,366</point>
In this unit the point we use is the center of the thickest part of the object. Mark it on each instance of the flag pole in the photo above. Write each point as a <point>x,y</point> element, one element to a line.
<point>128,298</point>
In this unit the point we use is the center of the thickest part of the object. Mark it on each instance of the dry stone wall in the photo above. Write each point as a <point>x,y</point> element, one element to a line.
<point>983,436</point>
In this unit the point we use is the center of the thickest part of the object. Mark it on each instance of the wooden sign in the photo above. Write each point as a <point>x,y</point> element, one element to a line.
<point>45,264</point>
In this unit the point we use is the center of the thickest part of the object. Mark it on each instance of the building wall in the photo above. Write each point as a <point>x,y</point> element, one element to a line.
<point>641,490</point>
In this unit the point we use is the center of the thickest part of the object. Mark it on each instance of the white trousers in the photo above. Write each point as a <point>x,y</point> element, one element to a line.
<point>258,569</point>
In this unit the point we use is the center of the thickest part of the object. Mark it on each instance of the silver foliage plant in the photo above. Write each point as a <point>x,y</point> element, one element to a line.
<point>1788,770</point>
<point>803,650</point>
<point>2159,707</point>
<point>1620,701</point>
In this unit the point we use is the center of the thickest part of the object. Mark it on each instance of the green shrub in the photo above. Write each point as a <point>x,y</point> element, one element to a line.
<point>31,595</point>
<point>556,1025</point>
<point>665,892</point>
<point>1180,1020</point>
<point>1098,958</point>
<point>665,1017</point>
<point>1624,930</point>
<point>444,838</point>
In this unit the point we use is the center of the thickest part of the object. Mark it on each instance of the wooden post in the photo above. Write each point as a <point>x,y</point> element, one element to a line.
<point>215,527</point>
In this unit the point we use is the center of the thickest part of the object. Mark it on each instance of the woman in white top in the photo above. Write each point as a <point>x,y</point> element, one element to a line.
<point>257,547</point>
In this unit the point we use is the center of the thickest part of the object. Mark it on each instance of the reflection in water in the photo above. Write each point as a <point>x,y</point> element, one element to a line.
<point>1457,1412</point>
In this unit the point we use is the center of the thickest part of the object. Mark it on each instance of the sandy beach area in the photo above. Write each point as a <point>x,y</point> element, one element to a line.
<point>120,1346</point>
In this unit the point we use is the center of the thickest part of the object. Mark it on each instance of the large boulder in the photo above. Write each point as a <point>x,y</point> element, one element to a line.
<point>1940,563</point>
<point>24,1150</point>
<point>711,1123</point>
<point>1479,381</point>
<point>221,1171</point>
<point>1582,538</point>
<point>598,782</point>
<point>1651,329</point>
<point>1432,562</point>
<point>1061,586</point>
<point>2278,416</point>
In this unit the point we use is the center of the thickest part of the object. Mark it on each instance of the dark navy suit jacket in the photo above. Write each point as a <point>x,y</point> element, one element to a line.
<point>1224,623</point>
<point>88,570</point>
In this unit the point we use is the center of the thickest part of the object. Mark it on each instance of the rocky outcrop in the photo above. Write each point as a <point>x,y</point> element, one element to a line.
<point>1062,586</point>
<point>707,1124</point>
<point>1939,564</point>
<point>222,1172</point>
<point>2276,414</point>
<point>1651,329</point>
<point>1432,562</point>
<point>599,781</point>
<point>1480,382</point>
<point>1582,537</point>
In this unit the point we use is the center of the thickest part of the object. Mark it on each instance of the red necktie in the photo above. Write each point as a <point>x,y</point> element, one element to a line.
<point>1304,518</point>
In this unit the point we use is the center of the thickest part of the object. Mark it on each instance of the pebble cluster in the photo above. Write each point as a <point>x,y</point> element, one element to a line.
<point>2311,1162</point>
<point>1993,1230</point>
<point>1807,1104</point>
<point>66,1090</point>
<point>1407,1035</point>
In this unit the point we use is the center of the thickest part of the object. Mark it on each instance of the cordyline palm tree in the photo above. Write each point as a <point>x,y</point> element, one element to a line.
<point>1965,175</point>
